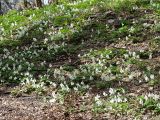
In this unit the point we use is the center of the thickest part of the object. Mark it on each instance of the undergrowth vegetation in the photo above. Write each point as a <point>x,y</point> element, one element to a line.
<point>103,54</point>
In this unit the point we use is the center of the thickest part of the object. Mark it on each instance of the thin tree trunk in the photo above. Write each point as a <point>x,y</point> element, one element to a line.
<point>25,3</point>
<point>39,3</point>
<point>1,8</point>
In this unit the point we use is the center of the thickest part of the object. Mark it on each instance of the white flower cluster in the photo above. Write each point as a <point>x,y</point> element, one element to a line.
<point>98,101</point>
<point>150,97</point>
<point>117,95</point>
<point>15,63</point>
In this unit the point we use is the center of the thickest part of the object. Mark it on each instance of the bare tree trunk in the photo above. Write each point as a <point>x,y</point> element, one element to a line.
<point>38,3</point>
<point>25,3</point>
<point>1,8</point>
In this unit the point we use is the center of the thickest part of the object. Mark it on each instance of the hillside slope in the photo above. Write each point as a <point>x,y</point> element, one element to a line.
<point>90,59</point>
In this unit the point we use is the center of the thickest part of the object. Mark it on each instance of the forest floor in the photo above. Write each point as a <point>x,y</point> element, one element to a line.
<point>108,71</point>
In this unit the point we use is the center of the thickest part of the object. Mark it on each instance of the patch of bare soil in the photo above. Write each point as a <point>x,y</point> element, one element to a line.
<point>26,108</point>
<point>33,108</point>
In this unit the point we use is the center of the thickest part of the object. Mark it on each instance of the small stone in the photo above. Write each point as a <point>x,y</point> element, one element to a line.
<point>111,21</point>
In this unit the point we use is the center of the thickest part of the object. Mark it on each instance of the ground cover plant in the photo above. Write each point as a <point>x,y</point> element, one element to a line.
<point>84,59</point>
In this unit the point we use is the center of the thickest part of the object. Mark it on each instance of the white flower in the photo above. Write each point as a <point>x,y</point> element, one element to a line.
<point>45,40</point>
<point>152,76</point>
<point>105,94</point>
<point>99,103</point>
<point>54,84</point>
<point>112,100</point>
<point>19,67</point>
<point>79,55</point>
<point>34,39</point>
<point>107,56</point>
<point>111,91</point>
<point>138,56</point>
<point>146,97</point>
<point>90,78</point>
<point>125,100</point>
<point>61,85</point>
<point>50,65</point>
<point>134,54</point>
<point>148,68</point>
<point>150,56</point>
<point>72,83</point>
<point>141,101</point>
<point>156,97</point>
<point>104,77</point>
<point>27,74</point>
<point>158,105</point>
<point>127,38</point>
<point>131,76</point>
<point>96,97</point>
<point>126,56</point>
<point>146,78</point>
<point>75,88</point>
<point>121,70</point>
<point>118,100</point>
<point>72,77</point>
<point>54,97</point>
